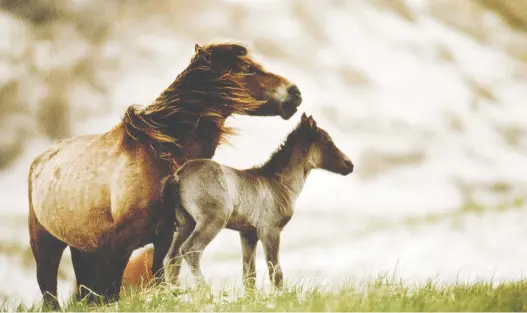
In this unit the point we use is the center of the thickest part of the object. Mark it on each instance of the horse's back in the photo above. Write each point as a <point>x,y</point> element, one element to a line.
<point>80,188</point>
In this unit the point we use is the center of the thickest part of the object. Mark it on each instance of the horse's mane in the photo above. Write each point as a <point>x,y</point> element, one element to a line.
<point>200,95</point>
<point>282,155</point>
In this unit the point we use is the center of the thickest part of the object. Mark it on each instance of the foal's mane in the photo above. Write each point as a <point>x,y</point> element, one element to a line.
<point>200,96</point>
<point>282,155</point>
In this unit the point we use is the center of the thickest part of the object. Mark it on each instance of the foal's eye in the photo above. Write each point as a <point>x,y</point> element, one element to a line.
<point>328,141</point>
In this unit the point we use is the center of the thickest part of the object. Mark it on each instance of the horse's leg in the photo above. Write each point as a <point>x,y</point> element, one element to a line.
<point>109,265</point>
<point>161,247</point>
<point>249,240</point>
<point>197,241</point>
<point>47,251</point>
<point>162,243</point>
<point>166,225</point>
<point>99,274</point>
<point>271,242</point>
<point>173,257</point>
<point>83,265</point>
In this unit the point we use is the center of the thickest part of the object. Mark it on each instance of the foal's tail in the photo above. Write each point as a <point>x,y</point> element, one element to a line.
<point>171,199</point>
<point>174,209</point>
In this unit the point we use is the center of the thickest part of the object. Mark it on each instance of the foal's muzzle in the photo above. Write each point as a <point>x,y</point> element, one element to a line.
<point>347,168</point>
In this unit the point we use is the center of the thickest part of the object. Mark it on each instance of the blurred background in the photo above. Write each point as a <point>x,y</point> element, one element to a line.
<point>428,98</point>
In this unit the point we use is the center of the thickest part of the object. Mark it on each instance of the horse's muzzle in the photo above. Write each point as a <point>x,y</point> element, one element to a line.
<point>290,106</point>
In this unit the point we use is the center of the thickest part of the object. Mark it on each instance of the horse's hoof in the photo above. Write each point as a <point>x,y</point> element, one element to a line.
<point>51,306</point>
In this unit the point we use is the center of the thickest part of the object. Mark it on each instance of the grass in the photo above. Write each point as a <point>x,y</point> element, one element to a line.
<point>380,294</point>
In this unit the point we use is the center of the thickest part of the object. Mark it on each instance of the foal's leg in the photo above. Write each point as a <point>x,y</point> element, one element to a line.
<point>249,240</point>
<point>47,251</point>
<point>174,258</point>
<point>202,235</point>
<point>271,243</point>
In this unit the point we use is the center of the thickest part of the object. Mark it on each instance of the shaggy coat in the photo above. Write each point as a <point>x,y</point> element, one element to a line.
<point>257,202</point>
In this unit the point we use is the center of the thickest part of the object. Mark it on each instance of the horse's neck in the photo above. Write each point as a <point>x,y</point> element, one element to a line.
<point>195,149</point>
<point>204,141</point>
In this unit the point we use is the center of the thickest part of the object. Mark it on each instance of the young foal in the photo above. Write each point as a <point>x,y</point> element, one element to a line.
<point>257,202</point>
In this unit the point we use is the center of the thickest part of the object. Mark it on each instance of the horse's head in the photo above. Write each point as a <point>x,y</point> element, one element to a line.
<point>323,153</point>
<point>272,94</point>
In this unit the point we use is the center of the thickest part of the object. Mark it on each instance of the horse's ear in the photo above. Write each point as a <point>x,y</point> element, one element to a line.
<point>303,117</point>
<point>239,50</point>
<point>202,54</point>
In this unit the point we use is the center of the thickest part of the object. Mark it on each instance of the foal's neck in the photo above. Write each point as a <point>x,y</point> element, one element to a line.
<point>288,166</point>
<point>294,173</point>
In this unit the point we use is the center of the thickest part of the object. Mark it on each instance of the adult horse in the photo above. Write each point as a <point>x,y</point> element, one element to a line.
<point>101,195</point>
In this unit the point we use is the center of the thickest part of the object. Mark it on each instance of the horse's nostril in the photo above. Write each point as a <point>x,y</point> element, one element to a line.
<point>294,96</point>
<point>348,164</point>
<point>293,91</point>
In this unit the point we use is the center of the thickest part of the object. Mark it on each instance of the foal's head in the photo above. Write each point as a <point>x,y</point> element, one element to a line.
<point>321,150</point>
<point>273,94</point>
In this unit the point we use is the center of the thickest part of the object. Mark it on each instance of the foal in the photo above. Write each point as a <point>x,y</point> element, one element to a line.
<point>257,202</point>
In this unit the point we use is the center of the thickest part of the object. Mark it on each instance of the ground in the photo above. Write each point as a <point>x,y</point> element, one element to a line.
<point>383,293</point>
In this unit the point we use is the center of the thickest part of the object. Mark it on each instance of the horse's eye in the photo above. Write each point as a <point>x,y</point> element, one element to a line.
<point>247,69</point>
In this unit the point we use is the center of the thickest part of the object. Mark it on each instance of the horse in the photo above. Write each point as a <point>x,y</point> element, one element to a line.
<point>257,202</point>
<point>138,270</point>
<point>101,194</point>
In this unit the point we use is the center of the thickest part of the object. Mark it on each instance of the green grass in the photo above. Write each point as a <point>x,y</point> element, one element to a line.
<point>381,294</point>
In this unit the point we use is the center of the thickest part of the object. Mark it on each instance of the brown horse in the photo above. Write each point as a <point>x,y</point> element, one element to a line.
<point>101,195</point>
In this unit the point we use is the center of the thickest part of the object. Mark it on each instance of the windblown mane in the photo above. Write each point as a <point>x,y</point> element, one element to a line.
<point>282,155</point>
<point>200,95</point>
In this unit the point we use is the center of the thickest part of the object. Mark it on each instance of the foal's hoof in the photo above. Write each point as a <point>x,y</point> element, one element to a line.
<point>176,292</point>
<point>203,288</point>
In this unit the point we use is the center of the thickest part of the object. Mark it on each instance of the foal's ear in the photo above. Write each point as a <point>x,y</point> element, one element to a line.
<point>308,120</point>
<point>311,122</point>
<point>197,48</point>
